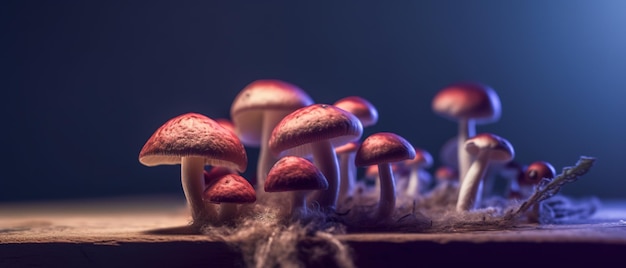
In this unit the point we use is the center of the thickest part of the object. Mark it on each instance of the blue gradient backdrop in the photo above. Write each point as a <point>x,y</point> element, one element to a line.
<point>85,83</point>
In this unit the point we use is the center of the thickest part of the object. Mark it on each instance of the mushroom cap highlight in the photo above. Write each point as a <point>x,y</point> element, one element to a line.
<point>383,147</point>
<point>230,188</point>
<point>422,159</point>
<point>296,132</point>
<point>293,173</point>
<point>194,134</point>
<point>468,100</point>
<point>537,171</point>
<point>361,108</point>
<point>498,148</point>
<point>262,95</point>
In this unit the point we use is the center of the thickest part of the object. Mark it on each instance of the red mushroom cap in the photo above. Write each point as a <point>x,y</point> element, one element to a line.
<point>498,148</point>
<point>259,96</point>
<point>215,173</point>
<point>230,188</point>
<point>383,147</point>
<point>468,101</point>
<point>296,131</point>
<point>536,171</point>
<point>361,108</point>
<point>293,173</point>
<point>194,134</point>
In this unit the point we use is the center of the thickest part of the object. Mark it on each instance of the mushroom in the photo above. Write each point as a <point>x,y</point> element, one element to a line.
<point>359,107</point>
<point>468,104</point>
<point>486,148</point>
<point>418,178</point>
<point>316,130</point>
<point>534,173</point>
<point>194,140</point>
<point>255,112</point>
<point>229,191</point>
<point>298,175</point>
<point>382,149</point>
<point>347,169</point>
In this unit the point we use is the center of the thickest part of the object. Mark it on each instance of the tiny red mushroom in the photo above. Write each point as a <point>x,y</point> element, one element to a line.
<point>468,104</point>
<point>192,141</point>
<point>255,112</point>
<point>298,175</point>
<point>534,173</point>
<point>382,149</point>
<point>486,148</point>
<point>316,130</point>
<point>229,191</point>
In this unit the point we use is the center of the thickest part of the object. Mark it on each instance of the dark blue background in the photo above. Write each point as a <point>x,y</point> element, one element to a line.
<point>85,83</point>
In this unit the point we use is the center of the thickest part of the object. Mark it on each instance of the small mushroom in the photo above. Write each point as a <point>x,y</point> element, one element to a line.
<point>486,148</point>
<point>347,169</point>
<point>229,190</point>
<point>382,149</point>
<point>194,140</point>
<point>534,173</point>
<point>298,175</point>
<point>255,112</point>
<point>468,104</point>
<point>418,177</point>
<point>359,107</point>
<point>316,130</point>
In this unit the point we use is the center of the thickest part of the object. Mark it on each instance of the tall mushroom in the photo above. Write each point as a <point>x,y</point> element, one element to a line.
<point>229,191</point>
<point>486,148</point>
<point>298,175</point>
<point>468,104</point>
<point>316,130</point>
<point>194,140</point>
<point>382,149</point>
<point>255,112</point>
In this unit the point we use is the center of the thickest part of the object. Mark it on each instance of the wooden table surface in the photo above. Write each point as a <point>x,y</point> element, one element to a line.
<point>116,233</point>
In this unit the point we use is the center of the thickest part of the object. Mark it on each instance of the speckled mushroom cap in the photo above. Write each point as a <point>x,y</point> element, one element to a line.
<point>295,133</point>
<point>498,148</point>
<point>361,108</point>
<point>383,147</point>
<point>194,134</point>
<point>536,171</point>
<point>422,159</point>
<point>247,109</point>
<point>230,188</point>
<point>293,173</point>
<point>468,101</point>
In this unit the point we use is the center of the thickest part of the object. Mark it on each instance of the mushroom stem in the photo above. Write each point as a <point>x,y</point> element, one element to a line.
<point>387,200</point>
<point>413,187</point>
<point>471,187</point>
<point>192,179</point>
<point>347,176</point>
<point>266,158</point>
<point>325,159</point>
<point>299,208</point>
<point>228,212</point>
<point>467,129</point>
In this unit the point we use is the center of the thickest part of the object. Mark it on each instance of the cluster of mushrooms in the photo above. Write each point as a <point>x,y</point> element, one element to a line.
<point>309,154</point>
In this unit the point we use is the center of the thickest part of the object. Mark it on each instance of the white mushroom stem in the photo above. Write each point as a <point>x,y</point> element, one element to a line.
<point>192,179</point>
<point>299,208</point>
<point>347,176</point>
<point>387,200</point>
<point>467,129</point>
<point>325,158</point>
<point>471,187</point>
<point>414,186</point>
<point>266,158</point>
